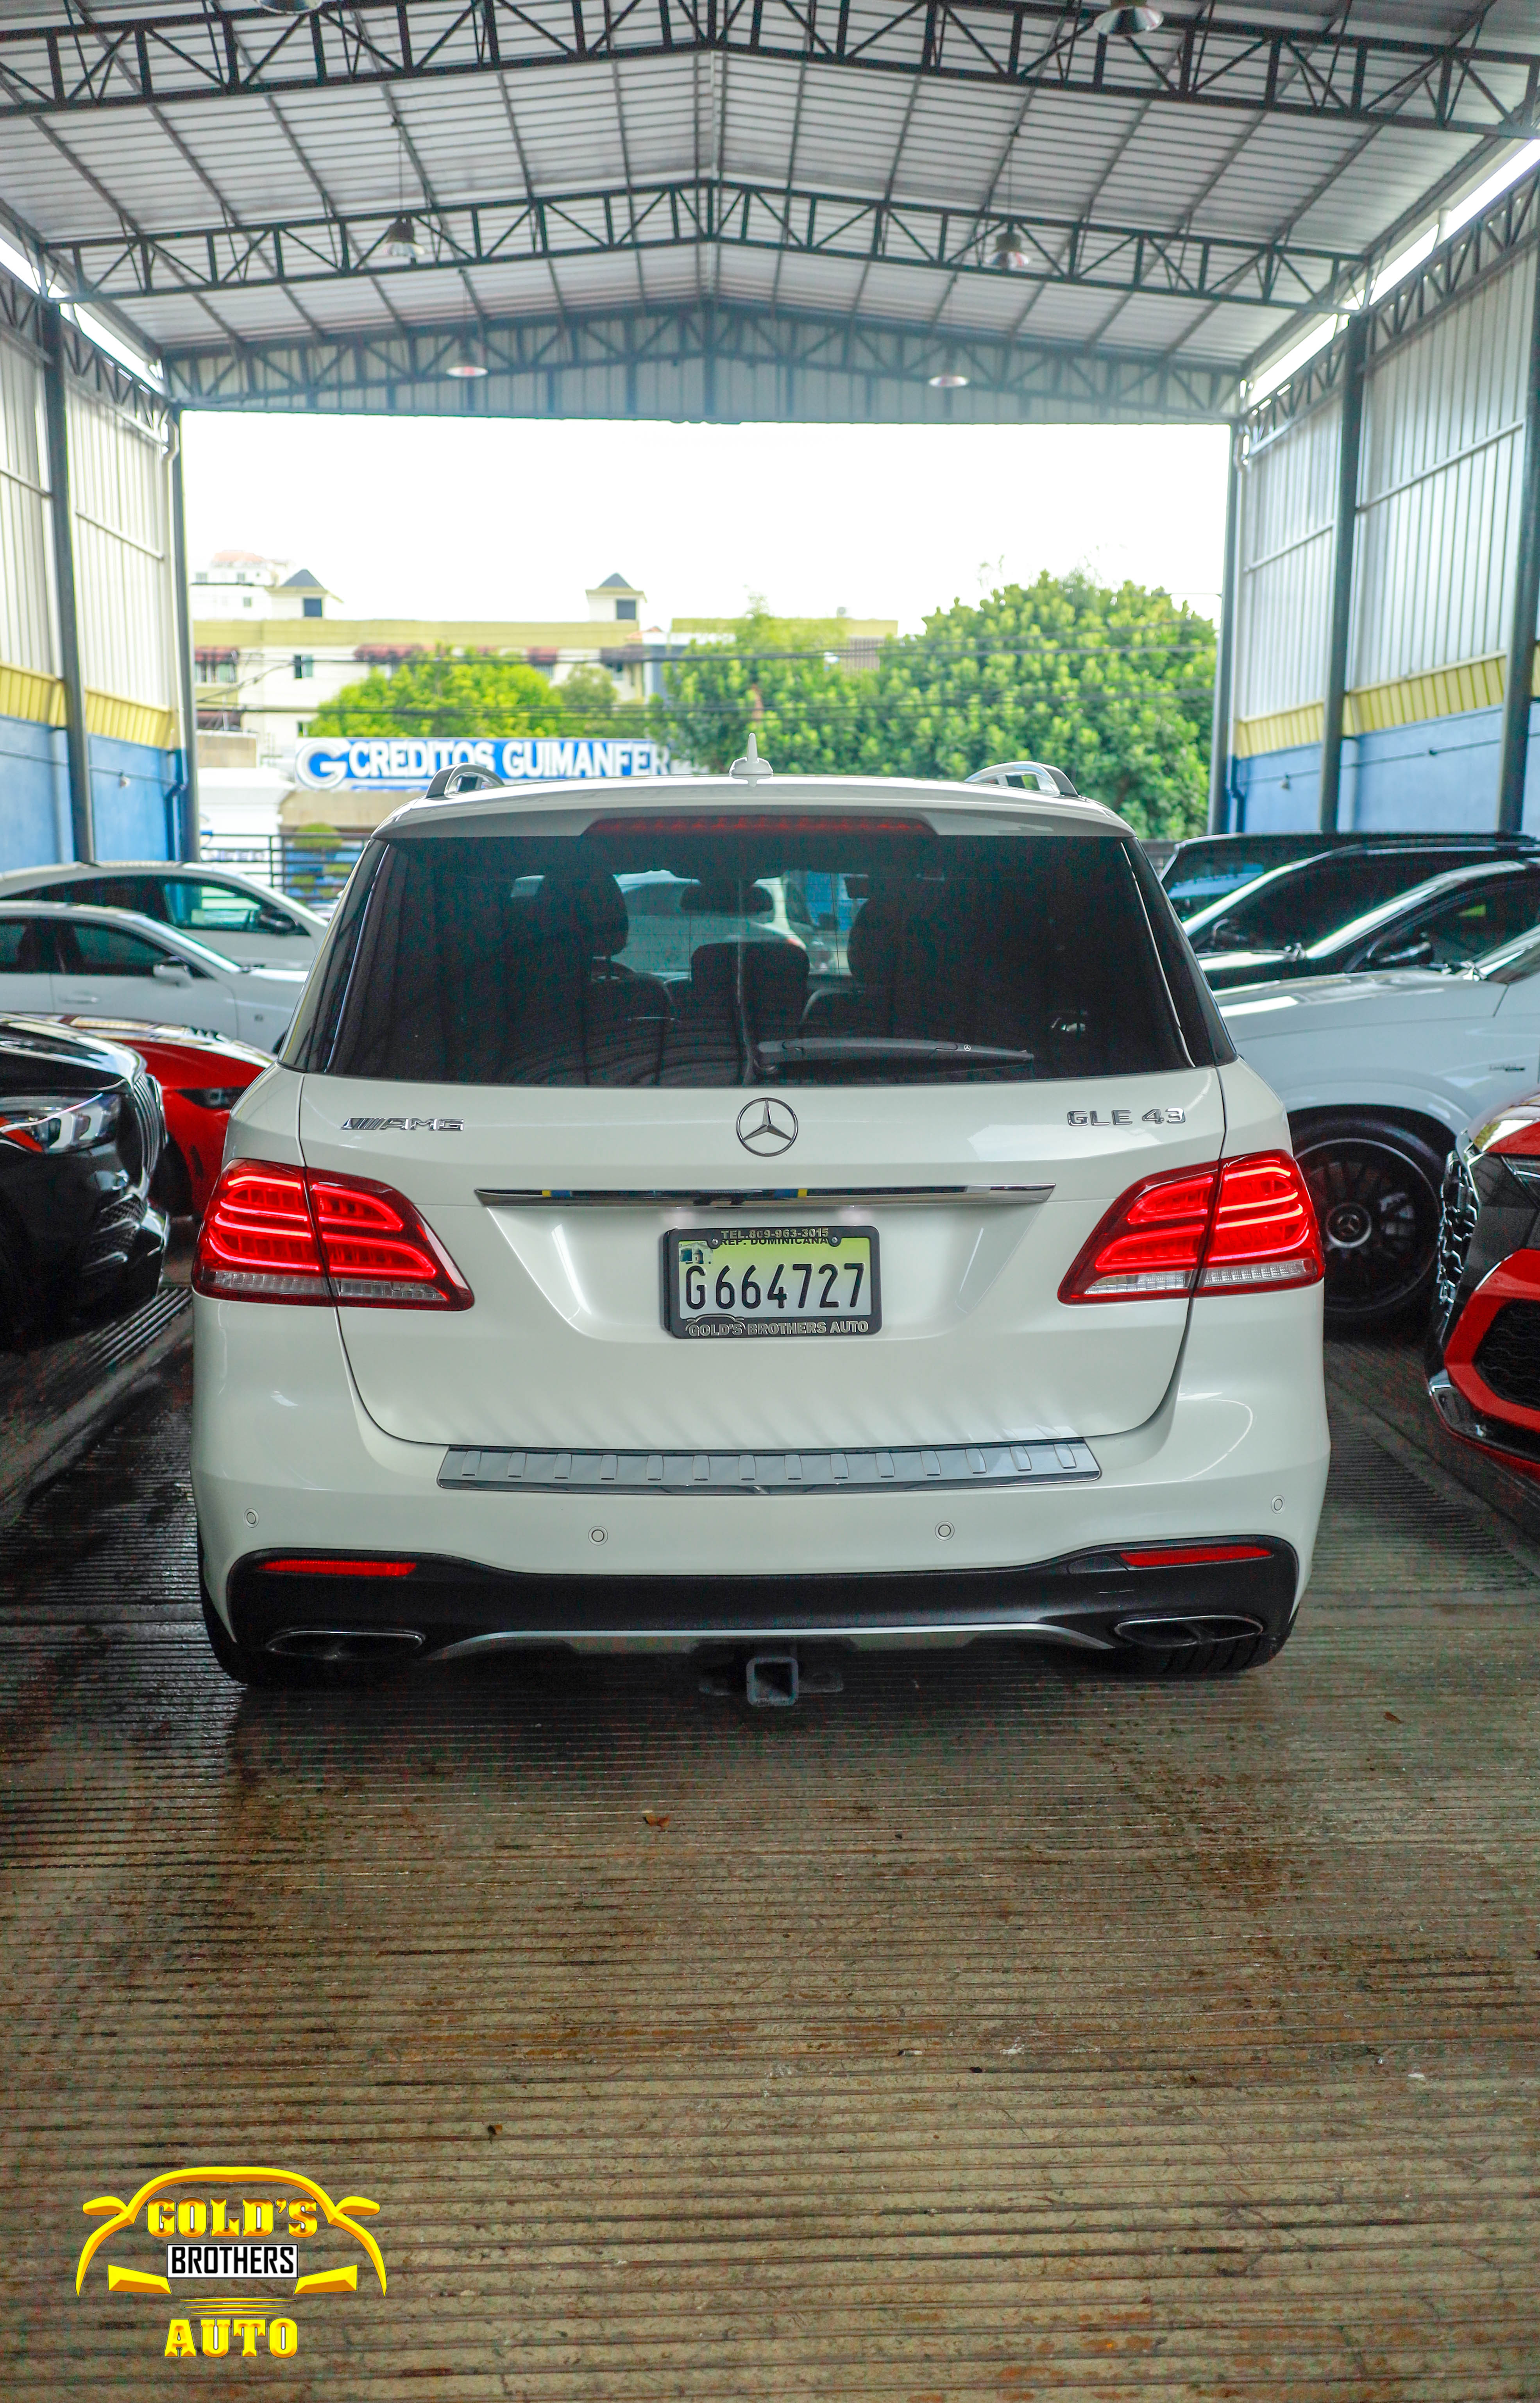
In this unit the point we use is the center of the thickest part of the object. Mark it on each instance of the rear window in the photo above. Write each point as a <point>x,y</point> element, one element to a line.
<point>745,950</point>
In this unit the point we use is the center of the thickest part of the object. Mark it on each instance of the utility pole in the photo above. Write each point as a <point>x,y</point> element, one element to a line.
<point>1353,364</point>
<point>1223,666</point>
<point>1520,683</point>
<point>76,743</point>
<point>184,647</point>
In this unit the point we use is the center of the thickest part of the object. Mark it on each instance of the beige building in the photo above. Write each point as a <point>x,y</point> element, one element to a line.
<point>271,642</point>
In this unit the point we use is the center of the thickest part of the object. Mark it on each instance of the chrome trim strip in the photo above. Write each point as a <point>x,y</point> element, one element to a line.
<point>929,1468</point>
<point>660,1196</point>
<point>686,1639</point>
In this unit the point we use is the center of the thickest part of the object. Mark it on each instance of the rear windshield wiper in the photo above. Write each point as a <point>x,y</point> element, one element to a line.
<point>905,1047</point>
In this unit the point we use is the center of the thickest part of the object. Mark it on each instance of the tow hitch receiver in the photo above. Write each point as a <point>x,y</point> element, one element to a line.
<point>770,1680</point>
<point>773,1681</point>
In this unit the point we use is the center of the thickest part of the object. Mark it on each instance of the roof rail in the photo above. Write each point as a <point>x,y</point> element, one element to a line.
<point>465,778</point>
<point>1026,775</point>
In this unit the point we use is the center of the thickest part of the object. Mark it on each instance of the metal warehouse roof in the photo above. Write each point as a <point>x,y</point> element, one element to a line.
<point>737,207</point>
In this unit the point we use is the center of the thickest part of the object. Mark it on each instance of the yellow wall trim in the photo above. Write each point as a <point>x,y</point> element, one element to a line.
<point>1442,692</point>
<point>130,721</point>
<point>24,693</point>
<point>1404,701</point>
<point>1286,729</point>
<point>40,698</point>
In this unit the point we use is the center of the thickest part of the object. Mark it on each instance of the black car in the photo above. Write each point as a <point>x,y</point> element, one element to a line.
<point>1207,866</point>
<point>80,1134</point>
<point>1307,900</point>
<point>1444,922</point>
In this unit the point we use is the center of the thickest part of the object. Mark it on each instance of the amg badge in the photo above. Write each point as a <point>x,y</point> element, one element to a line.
<point>404,1126</point>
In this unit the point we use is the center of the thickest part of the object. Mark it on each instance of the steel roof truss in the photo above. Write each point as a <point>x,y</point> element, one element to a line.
<point>687,213</point>
<point>1204,61</point>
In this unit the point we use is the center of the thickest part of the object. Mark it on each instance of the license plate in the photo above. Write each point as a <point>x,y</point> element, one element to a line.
<point>775,1281</point>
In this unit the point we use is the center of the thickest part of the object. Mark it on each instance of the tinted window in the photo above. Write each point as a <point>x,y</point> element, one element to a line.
<point>25,947</point>
<point>1203,872</point>
<point>1304,904</point>
<point>107,950</point>
<point>1467,925</point>
<point>681,952</point>
<point>142,892</point>
<point>208,908</point>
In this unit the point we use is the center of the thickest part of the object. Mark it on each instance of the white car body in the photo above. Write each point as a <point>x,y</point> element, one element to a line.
<point>1445,1048</point>
<point>319,1430</point>
<point>133,967</point>
<point>237,914</point>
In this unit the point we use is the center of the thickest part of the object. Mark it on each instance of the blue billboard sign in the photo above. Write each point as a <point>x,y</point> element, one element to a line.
<point>403,762</point>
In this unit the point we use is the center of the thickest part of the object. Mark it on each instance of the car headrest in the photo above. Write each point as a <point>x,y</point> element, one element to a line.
<point>775,978</point>
<point>585,907</point>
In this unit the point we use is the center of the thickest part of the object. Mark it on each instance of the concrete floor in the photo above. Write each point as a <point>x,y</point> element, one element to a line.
<point>987,2030</point>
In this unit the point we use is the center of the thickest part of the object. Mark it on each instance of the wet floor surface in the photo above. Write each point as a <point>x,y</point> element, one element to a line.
<point>987,2029</point>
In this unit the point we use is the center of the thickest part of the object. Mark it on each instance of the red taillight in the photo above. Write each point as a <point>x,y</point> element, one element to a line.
<point>339,1568</point>
<point>272,1233</point>
<point>1192,1556</point>
<point>1237,1227</point>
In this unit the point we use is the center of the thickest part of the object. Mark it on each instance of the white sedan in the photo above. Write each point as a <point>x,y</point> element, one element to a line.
<point>1379,1074</point>
<point>241,917</point>
<point>80,961</point>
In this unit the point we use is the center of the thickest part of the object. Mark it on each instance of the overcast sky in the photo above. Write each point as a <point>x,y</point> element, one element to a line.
<point>510,518</point>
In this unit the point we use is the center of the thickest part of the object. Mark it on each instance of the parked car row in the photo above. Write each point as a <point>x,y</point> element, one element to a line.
<point>135,1009</point>
<point>1388,989</point>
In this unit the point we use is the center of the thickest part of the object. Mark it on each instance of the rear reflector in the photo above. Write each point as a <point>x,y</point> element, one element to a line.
<point>339,1568</point>
<point>1192,1556</point>
<point>275,1233</point>
<point>1237,1226</point>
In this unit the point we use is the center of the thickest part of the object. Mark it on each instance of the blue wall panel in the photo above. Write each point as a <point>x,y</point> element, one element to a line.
<point>1438,776</point>
<point>136,793</point>
<point>34,799</point>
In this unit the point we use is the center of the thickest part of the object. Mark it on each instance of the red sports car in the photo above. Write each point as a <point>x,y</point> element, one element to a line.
<point>202,1078</point>
<point>1483,1354</point>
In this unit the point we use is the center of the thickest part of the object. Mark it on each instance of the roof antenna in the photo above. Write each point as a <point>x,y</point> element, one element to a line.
<point>751,769</point>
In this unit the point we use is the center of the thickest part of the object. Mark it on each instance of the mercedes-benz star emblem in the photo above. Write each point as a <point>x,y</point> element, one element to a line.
<point>767,1127</point>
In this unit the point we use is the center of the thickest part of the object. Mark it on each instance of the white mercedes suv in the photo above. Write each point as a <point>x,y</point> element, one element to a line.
<point>706,1212</point>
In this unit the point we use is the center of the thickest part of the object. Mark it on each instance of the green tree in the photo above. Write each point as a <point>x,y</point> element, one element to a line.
<point>446,693</point>
<point>591,704</point>
<point>1115,686</point>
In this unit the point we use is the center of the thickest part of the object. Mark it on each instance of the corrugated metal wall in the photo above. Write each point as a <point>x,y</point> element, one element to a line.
<point>1288,495</point>
<point>27,636</point>
<point>1435,545</point>
<point>119,490</point>
<point>1440,487</point>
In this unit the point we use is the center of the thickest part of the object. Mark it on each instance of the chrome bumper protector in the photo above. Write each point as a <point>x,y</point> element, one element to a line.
<point>894,1633</point>
<point>658,1197</point>
<point>927,1470</point>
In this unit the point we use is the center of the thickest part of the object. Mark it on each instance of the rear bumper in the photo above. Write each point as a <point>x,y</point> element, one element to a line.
<point>286,1461</point>
<point>1094,1601</point>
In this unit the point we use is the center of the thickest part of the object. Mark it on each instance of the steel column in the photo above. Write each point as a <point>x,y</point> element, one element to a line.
<point>76,743</point>
<point>1224,665</point>
<point>1353,363</point>
<point>184,645</point>
<point>1518,686</point>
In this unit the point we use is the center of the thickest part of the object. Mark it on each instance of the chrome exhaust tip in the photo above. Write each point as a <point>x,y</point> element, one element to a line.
<point>339,1647</point>
<point>1185,1633</point>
